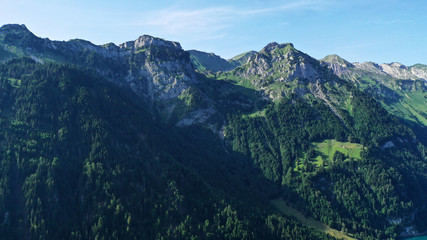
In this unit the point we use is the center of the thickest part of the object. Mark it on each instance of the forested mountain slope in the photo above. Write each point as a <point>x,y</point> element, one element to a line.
<point>368,193</point>
<point>400,89</point>
<point>83,159</point>
<point>131,142</point>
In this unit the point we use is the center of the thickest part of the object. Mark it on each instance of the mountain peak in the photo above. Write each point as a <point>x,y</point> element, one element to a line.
<point>397,65</point>
<point>274,45</point>
<point>335,59</point>
<point>14,28</point>
<point>16,32</point>
<point>19,36</point>
<point>280,63</point>
<point>145,41</point>
<point>271,45</point>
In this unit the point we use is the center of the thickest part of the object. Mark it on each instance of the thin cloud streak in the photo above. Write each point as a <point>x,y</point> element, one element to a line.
<point>293,6</point>
<point>178,22</point>
<point>210,23</point>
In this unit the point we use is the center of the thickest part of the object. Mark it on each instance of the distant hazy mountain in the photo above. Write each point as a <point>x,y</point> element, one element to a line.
<point>209,61</point>
<point>241,58</point>
<point>396,70</point>
<point>400,89</point>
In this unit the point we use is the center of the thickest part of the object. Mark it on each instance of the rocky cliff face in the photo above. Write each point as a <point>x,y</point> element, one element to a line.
<point>369,67</point>
<point>280,69</point>
<point>401,71</point>
<point>337,64</point>
<point>279,63</point>
<point>159,71</point>
<point>146,41</point>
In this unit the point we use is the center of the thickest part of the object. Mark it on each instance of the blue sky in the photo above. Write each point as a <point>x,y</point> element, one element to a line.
<point>359,30</point>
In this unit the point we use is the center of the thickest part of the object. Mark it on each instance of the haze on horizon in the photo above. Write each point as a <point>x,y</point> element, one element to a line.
<point>378,31</point>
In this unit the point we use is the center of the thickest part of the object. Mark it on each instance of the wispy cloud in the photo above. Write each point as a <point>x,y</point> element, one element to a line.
<point>292,6</point>
<point>202,21</point>
<point>392,21</point>
<point>212,23</point>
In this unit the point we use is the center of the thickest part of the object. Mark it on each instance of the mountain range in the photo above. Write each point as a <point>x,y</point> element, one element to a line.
<point>145,140</point>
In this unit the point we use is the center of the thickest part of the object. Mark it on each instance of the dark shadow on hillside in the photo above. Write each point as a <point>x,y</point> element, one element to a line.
<point>231,98</point>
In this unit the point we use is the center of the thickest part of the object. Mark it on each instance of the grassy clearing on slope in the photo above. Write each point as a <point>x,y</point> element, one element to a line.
<point>324,153</point>
<point>308,221</point>
<point>325,150</point>
<point>15,82</point>
<point>349,107</point>
<point>260,113</point>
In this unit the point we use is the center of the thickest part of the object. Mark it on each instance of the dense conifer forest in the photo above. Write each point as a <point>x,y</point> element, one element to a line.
<point>136,142</point>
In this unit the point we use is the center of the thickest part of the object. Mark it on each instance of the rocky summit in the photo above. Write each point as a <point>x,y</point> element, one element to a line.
<point>279,62</point>
<point>159,71</point>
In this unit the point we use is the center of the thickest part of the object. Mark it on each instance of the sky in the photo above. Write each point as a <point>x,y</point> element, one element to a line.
<point>381,31</point>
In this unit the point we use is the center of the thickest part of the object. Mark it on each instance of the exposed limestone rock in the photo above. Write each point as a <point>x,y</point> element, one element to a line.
<point>401,71</point>
<point>146,41</point>
<point>161,78</point>
<point>397,70</point>
<point>155,69</point>
<point>280,70</point>
<point>337,64</point>
<point>196,117</point>
<point>317,91</point>
<point>388,144</point>
<point>279,62</point>
<point>370,67</point>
